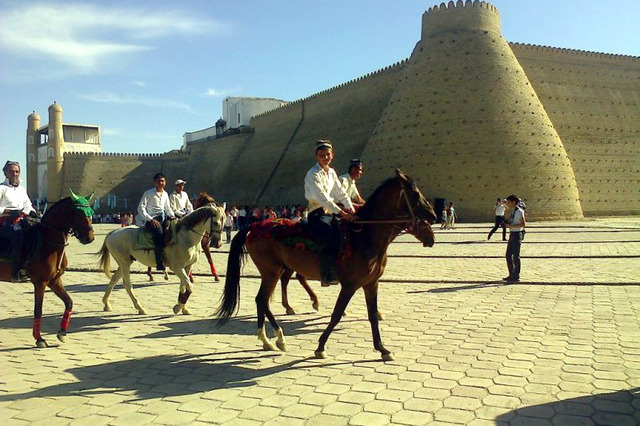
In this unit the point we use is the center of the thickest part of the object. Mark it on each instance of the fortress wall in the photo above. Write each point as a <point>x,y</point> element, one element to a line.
<point>125,175</point>
<point>346,115</point>
<point>465,123</point>
<point>593,100</point>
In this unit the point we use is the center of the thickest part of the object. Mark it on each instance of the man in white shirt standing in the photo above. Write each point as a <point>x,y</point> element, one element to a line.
<point>155,211</point>
<point>14,205</point>
<point>499,210</point>
<point>516,224</point>
<point>180,203</point>
<point>348,181</point>
<point>322,189</point>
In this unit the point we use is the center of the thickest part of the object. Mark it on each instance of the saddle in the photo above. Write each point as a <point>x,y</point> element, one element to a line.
<point>32,240</point>
<point>144,238</point>
<point>297,235</point>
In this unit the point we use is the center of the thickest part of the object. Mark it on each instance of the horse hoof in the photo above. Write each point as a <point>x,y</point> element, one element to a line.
<point>41,343</point>
<point>107,308</point>
<point>142,311</point>
<point>176,308</point>
<point>282,346</point>
<point>315,306</point>
<point>380,316</point>
<point>388,357</point>
<point>290,311</point>
<point>62,336</point>
<point>186,311</point>
<point>216,279</point>
<point>268,346</point>
<point>320,354</point>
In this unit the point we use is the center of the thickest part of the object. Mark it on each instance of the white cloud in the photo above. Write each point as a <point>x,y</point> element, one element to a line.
<point>112,98</point>
<point>215,93</point>
<point>140,83</point>
<point>85,36</point>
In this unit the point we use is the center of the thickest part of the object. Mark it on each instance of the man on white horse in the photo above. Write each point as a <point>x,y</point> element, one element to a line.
<point>14,206</point>
<point>180,203</point>
<point>155,211</point>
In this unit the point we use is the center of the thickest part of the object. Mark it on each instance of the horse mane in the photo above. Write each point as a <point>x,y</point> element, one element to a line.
<point>54,206</point>
<point>372,202</point>
<point>195,217</point>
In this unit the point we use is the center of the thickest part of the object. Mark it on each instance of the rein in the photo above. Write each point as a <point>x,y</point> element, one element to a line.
<point>399,219</point>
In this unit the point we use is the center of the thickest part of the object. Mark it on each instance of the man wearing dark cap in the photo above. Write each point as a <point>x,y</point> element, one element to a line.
<point>14,206</point>
<point>348,181</point>
<point>323,190</point>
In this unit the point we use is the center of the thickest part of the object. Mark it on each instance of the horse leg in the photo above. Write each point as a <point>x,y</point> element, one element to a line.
<point>112,283</point>
<point>58,289</point>
<point>185,291</point>
<point>284,282</point>
<point>38,292</point>
<point>149,274</point>
<point>262,303</point>
<point>126,278</point>
<point>207,252</point>
<point>314,298</point>
<point>371,295</point>
<point>346,293</point>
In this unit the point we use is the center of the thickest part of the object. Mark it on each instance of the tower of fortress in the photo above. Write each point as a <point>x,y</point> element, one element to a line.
<point>469,115</point>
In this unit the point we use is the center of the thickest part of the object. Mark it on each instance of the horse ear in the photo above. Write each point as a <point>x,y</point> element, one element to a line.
<point>90,196</point>
<point>224,206</point>
<point>74,197</point>
<point>401,175</point>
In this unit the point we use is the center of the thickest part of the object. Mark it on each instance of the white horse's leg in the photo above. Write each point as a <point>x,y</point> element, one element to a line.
<point>127,285</point>
<point>112,283</point>
<point>281,343</point>
<point>185,291</point>
<point>266,343</point>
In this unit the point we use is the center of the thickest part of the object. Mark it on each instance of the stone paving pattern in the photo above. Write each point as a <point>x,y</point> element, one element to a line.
<point>560,348</point>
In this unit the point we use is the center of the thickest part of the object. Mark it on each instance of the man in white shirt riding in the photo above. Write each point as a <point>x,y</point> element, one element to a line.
<point>348,181</point>
<point>323,190</point>
<point>14,206</point>
<point>179,200</point>
<point>155,212</point>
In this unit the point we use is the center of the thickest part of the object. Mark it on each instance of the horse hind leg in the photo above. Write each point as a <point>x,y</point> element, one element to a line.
<point>58,289</point>
<point>112,283</point>
<point>262,303</point>
<point>312,295</point>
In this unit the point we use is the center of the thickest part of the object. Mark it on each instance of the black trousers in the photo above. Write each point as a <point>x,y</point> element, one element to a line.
<point>158,236</point>
<point>513,254</point>
<point>324,227</point>
<point>13,240</point>
<point>499,223</point>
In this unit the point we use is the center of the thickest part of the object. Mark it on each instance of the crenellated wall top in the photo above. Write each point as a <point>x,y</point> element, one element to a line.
<point>340,86</point>
<point>576,52</point>
<point>129,155</point>
<point>468,15</point>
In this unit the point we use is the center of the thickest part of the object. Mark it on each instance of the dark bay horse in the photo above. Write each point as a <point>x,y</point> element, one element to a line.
<point>396,205</point>
<point>421,230</point>
<point>69,216</point>
<point>202,200</point>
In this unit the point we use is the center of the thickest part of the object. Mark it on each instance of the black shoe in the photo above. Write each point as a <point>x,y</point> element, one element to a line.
<point>513,280</point>
<point>506,278</point>
<point>160,267</point>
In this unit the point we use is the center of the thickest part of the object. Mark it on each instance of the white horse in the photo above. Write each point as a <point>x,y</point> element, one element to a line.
<point>179,256</point>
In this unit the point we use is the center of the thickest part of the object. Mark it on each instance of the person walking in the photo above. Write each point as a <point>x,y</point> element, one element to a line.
<point>228,225</point>
<point>499,210</point>
<point>516,224</point>
<point>451,216</point>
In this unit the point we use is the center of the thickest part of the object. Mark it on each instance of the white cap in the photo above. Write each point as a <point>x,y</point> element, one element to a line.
<point>180,182</point>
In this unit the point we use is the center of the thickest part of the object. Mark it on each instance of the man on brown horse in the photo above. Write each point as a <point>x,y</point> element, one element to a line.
<point>155,211</point>
<point>14,206</point>
<point>322,189</point>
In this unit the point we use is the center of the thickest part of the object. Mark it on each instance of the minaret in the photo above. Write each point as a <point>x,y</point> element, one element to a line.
<point>466,124</point>
<point>55,153</point>
<point>33,140</point>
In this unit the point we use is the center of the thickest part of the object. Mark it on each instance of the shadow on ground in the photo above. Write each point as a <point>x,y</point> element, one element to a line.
<point>616,408</point>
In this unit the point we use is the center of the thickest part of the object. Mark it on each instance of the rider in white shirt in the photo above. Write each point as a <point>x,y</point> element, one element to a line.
<point>179,200</point>
<point>348,181</point>
<point>155,211</point>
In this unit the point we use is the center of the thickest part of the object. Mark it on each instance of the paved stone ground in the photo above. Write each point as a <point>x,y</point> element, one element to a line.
<point>562,347</point>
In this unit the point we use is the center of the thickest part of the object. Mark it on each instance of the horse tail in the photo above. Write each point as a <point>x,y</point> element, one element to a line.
<point>229,303</point>
<point>105,259</point>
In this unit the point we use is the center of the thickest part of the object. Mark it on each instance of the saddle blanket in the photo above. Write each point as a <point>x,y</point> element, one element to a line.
<point>285,231</point>
<point>144,238</point>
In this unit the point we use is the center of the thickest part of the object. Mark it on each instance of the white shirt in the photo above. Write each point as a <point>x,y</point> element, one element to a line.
<point>322,189</point>
<point>180,203</point>
<point>517,218</point>
<point>499,209</point>
<point>349,185</point>
<point>153,204</point>
<point>14,198</point>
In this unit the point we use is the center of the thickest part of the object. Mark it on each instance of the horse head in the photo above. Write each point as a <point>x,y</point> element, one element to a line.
<point>415,204</point>
<point>204,199</point>
<point>421,229</point>
<point>80,217</point>
<point>217,224</point>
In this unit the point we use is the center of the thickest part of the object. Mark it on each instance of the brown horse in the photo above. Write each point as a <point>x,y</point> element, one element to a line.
<point>396,205</point>
<point>69,216</point>
<point>423,233</point>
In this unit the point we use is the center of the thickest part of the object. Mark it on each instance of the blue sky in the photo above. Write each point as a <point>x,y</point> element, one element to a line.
<point>149,71</point>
